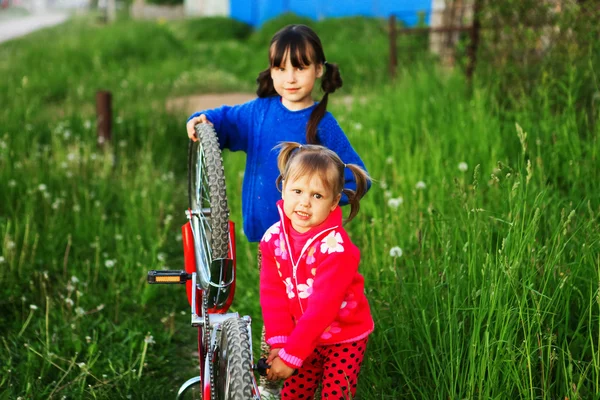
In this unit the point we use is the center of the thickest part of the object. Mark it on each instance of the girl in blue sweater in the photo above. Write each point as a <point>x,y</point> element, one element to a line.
<point>283,112</point>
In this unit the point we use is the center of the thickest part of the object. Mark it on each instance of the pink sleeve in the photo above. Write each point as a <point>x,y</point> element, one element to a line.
<point>274,300</point>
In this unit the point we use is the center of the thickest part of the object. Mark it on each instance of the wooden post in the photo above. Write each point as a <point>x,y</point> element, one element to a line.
<point>103,116</point>
<point>472,49</point>
<point>393,54</point>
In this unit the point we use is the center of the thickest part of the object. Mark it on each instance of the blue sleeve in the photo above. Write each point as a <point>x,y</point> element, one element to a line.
<point>232,124</point>
<point>333,137</point>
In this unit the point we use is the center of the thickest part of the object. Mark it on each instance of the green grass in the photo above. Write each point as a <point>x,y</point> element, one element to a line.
<point>496,292</point>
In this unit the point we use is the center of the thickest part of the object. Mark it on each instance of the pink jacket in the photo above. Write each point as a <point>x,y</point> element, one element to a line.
<point>315,298</point>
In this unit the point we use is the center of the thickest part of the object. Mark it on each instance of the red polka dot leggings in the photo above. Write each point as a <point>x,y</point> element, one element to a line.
<point>336,367</point>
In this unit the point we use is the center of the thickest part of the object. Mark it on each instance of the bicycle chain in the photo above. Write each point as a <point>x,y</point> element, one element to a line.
<point>210,351</point>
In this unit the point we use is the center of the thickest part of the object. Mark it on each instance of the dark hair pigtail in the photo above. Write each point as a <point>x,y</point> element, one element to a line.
<point>265,84</point>
<point>330,82</point>
<point>285,153</point>
<point>354,196</point>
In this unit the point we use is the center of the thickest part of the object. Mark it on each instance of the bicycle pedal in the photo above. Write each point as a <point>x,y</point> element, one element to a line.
<point>168,277</point>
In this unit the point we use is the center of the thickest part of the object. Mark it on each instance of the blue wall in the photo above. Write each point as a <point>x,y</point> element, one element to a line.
<point>256,12</point>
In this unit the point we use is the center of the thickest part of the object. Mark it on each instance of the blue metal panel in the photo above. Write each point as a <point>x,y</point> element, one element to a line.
<point>256,12</point>
<point>242,11</point>
<point>405,10</point>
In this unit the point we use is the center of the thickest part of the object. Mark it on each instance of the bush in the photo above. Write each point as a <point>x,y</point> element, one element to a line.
<point>211,29</point>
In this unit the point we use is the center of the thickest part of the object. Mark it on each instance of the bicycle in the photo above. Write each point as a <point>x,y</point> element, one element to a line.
<point>224,338</point>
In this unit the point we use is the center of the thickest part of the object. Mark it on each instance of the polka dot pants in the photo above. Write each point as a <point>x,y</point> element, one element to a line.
<point>336,367</point>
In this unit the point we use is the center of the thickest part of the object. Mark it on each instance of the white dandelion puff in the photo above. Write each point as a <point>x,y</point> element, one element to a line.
<point>463,166</point>
<point>420,185</point>
<point>395,252</point>
<point>149,339</point>
<point>109,263</point>
<point>33,307</point>
<point>79,311</point>
<point>69,302</point>
<point>395,202</point>
<point>42,187</point>
<point>12,183</point>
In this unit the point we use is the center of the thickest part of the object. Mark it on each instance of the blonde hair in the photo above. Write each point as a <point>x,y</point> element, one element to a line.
<point>297,160</point>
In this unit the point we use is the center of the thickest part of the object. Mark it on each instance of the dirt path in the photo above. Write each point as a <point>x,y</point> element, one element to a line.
<point>191,104</point>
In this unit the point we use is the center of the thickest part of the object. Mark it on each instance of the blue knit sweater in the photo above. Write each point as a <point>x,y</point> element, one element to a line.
<point>256,127</point>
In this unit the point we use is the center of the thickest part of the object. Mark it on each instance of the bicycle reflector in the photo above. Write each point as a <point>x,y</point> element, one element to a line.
<point>168,276</point>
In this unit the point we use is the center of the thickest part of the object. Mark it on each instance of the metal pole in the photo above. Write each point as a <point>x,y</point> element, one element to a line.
<point>472,49</point>
<point>393,55</point>
<point>103,116</point>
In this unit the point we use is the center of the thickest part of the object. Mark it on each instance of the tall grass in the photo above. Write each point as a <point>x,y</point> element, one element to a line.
<point>496,292</point>
<point>479,239</point>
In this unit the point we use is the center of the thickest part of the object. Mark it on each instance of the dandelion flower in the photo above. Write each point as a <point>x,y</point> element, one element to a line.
<point>118,237</point>
<point>161,256</point>
<point>420,185</point>
<point>33,307</point>
<point>395,202</point>
<point>79,311</point>
<point>69,302</point>
<point>109,263</point>
<point>396,252</point>
<point>149,339</point>
<point>74,279</point>
<point>42,187</point>
<point>463,166</point>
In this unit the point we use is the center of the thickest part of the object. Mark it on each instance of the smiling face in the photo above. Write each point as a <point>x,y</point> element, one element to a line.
<point>307,202</point>
<point>295,83</point>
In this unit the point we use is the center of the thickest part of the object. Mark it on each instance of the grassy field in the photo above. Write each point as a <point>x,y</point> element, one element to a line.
<point>480,237</point>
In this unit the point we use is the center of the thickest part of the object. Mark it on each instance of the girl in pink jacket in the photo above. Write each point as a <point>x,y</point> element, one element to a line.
<point>316,315</point>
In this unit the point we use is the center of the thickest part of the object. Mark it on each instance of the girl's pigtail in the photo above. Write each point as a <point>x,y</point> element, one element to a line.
<point>330,82</point>
<point>285,153</point>
<point>265,84</point>
<point>354,196</point>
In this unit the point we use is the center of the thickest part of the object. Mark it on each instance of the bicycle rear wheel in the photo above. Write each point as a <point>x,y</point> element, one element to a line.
<point>232,362</point>
<point>207,197</point>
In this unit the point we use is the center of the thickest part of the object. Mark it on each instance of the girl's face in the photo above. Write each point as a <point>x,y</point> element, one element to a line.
<point>295,84</point>
<point>307,202</point>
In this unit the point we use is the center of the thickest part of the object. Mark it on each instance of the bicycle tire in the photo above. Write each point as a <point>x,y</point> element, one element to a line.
<point>206,190</point>
<point>232,362</point>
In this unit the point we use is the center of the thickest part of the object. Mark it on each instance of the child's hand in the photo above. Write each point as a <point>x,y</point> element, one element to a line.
<point>191,131</point>
<point>274,353</point>
<point>279,370</point>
